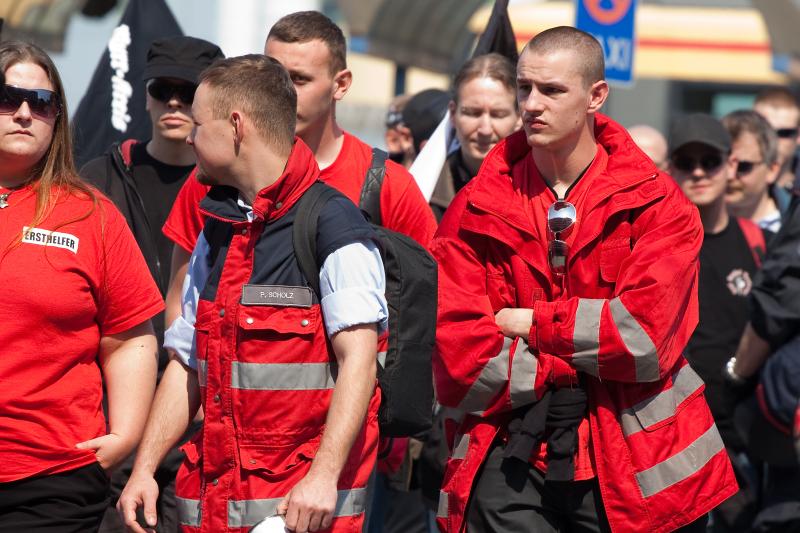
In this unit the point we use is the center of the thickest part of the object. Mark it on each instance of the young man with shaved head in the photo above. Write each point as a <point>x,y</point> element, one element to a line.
<point>568,283</point>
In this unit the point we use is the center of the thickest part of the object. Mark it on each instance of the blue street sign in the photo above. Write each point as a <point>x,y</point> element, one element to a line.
<point>612,23</point>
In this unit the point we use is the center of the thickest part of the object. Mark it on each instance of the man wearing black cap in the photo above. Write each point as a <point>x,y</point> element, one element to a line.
<point>143,178</point>
<point>699,160</point>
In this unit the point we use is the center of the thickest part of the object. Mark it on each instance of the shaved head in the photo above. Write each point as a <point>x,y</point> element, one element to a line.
<point>587,50</point>
<point>651,142</point>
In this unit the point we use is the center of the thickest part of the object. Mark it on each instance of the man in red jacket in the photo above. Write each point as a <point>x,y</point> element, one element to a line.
<point>570,262</point>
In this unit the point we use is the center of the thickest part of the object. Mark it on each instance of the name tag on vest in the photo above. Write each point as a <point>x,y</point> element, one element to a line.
<point>280,295</point>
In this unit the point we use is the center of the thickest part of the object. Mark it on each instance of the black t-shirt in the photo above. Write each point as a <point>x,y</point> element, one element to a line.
<point>158,184</point>
<point>727,268</point>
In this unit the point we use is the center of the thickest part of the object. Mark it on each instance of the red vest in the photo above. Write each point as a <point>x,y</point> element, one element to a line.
<point>266,377</point>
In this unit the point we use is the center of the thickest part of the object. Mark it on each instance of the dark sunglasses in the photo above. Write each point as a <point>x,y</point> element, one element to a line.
<point>708,162</point>
<point>786,133</point>
<point>41,102</point>
<point>163,91</point>
<point>744,168</point>
<point>561,217</point>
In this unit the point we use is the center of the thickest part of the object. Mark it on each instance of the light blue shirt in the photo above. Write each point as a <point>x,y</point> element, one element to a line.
<point>352,285</point>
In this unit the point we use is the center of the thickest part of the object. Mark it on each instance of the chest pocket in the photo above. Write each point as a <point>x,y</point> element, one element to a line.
<point>615,247</point>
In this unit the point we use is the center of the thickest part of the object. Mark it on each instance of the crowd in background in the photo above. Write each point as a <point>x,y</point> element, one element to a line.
<point>104,276</point>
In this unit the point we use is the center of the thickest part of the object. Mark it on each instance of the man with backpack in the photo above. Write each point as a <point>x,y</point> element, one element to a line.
<point>286,376</point>
<point>143,178</point>
<point>699,160</point>
<point>313,49</point>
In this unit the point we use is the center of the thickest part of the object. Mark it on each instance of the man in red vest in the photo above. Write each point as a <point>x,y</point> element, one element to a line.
<point>286,377</point>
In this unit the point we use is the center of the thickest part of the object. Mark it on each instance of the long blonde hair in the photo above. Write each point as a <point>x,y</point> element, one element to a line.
<point>55,172</point>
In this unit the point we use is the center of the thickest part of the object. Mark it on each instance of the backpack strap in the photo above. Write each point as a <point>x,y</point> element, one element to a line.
<point>304,231</point>
<point>754,236</point>
<point>370,201</point>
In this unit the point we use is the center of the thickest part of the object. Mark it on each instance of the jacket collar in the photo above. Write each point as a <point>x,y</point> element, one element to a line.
<point>626,167</point>
<point>272,202</point>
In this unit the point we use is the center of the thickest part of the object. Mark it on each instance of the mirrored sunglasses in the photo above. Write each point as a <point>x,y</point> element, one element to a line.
<point>561,218</point>
<point>41,102</point>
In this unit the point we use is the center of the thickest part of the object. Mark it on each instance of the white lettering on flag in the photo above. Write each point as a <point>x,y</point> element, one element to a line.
<point>121,90</point>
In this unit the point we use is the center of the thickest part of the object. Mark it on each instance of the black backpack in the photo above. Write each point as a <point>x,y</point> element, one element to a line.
<point>405,375</point>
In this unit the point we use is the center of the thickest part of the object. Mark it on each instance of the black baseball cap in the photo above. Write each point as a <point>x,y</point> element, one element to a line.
<point>699,128</point>
<point>423,112</point>
<point>181,57</point>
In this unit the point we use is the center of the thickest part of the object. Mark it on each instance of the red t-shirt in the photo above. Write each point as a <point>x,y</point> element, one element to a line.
<point>403,208</point>
<point>65,285</point>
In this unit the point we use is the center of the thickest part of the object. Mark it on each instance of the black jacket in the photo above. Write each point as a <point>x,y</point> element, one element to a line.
<point>775,297</point>
<point>111,173</point>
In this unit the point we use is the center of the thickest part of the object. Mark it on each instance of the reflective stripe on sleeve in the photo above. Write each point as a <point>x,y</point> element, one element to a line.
<point>246,513</point>
<point>188,511</point>
<point>663,405</point>
<point>637,341</point>
<point>489,382</point>
<point>586,336</point>
<point>441,512</point>
<point>281,376</point>
<point>681,465</point>
<point>523,375</point>
<point>461,446</point>
<point>202,372</point>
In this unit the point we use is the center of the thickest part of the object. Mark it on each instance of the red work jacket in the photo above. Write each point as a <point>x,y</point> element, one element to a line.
<point>266,372</point>
<point>624,318</point>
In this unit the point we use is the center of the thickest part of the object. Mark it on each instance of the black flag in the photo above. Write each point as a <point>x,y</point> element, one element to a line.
<point>113,108</point>
<point>499,35</point>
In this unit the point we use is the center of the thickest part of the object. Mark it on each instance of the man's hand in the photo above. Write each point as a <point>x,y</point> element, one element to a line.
<point>140,491</point>
<point>310,504</point>
<point>514,321</point>
<point>110,449</point>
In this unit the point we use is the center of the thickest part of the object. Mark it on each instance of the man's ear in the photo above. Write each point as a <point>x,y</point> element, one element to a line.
<point>341,83</point>
<point>598,93</point>
<point>238,129</point>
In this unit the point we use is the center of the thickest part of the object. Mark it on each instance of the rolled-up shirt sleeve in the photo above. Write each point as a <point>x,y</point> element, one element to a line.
<point>180,338</point>
<point>352,286</point>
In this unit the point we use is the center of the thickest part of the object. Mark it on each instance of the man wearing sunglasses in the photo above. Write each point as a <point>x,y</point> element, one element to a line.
<point>752,192</point>
<point>779,106</point>
<point>143,178</point>
<point>570,262</point>
<point>700,162</point>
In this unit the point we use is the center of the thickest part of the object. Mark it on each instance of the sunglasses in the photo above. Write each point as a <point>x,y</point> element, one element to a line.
<point>561,217</point>
<point>708,162</point>
<point>744,168</point>
<point>163,91</point>
<point>41,102</point>
<point>786,133</point>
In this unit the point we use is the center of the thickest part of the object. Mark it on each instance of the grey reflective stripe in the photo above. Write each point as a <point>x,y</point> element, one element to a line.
<point>451,413</point>
<point>382,358</point>
<point>586,336</point>
<point>188,512</point>
<point>663,405</point>
<point>441,512</point>
<point>637,341</point>
<point>461,446</point>
<point>246,513</point>
<point>281,376</point>
<point>523,375</point>
<point>681,465</point>
<point>489,382</point>
<point>202,372</point>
